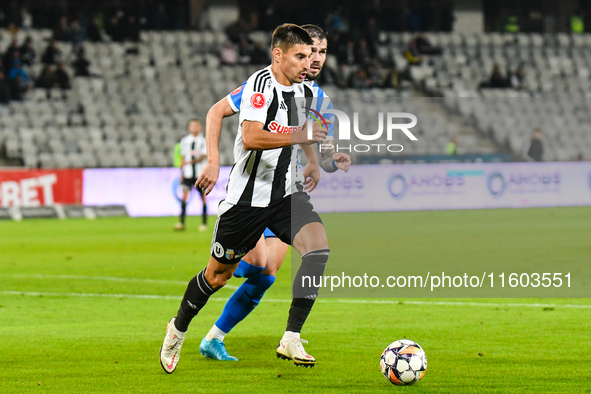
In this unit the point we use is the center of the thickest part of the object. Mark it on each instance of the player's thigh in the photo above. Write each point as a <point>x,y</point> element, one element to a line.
<point>310,237</point>
<point>276,252</point>
<point>258,255</point>
<point>294,215</point>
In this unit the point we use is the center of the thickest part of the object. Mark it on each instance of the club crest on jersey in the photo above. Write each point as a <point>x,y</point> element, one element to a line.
<point>257,100</point>
<point>237,90</point>
<point>229,254</point>
<point>278,128</point>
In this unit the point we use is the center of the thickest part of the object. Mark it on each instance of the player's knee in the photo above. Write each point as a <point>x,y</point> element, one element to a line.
<point>218,278</point>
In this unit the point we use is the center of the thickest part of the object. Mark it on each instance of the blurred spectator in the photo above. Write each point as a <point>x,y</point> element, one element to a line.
<point>13,29</point>
<point>374,72</point>
<point>179,15</point>
<point>517,79</point>
<point>94,30</point>
<point>17,70</point>
<point>340,76</point>
<point>535,22</point>
<point>392,79</point>
<point>362,53</point>
<point>27,52</point>
<point>245,51</point>
<point>10,55</point>
<point>18,87</point>
<point>77,33</point>
<point>346,53</point>
<point>425,47</point>
<point>259,54</point>
<point>237,30</point>
<point>81,64</point>
<point>534,149</point>
<point>452,148</point>
<point>4,89</point>
<point>62,32</point>
<point>228,54</point>
<point>52,54</point>
<point>131,29</point>
<point>46,80</point>
<point>204,18</point>
<point>413,54</point>
<point>62,77</point>
<point>27,19</point>
<point>372,34</point>
<point>512,23</point>
<point>496,80</point>
<point>338,21</point>
<point>161,19</point>
<point>359,79</point>
<point>577,22</point>
<point>114,29</point>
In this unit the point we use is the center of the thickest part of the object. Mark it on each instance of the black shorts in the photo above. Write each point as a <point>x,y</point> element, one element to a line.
<point>238,228</point>
<point>189,183</point>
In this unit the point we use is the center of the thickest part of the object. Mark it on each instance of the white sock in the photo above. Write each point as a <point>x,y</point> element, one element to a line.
<point>290,335</point>
<point>177,332</point>
<point>215,332</point>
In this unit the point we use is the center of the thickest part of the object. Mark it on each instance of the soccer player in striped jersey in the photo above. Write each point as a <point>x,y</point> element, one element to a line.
<point>193,151</point>
<point>261,264</point>
<point>260,194</point>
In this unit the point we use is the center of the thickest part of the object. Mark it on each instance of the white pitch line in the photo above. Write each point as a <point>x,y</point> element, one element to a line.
<point>105,278</point>
<point>343,301</point>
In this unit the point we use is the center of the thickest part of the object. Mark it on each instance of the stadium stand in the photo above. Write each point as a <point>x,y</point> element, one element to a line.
<point>134,108</point>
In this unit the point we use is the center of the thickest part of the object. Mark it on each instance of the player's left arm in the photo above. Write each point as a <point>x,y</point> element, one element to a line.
<point>330,161</point>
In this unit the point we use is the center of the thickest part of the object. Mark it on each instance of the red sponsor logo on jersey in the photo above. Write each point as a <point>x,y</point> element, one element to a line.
<point>237,90</point>
<point>278,128</point>
<point>257,100</point>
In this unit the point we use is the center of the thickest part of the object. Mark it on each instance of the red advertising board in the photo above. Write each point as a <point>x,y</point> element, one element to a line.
<point>33,188</point>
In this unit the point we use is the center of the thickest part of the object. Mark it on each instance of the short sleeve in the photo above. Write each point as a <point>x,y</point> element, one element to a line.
<point>323,103</point>
<point>255,102</point>
<point>235,98</point>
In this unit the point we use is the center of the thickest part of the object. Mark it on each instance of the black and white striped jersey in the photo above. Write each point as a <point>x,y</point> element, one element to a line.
<point>262,178</point>
<point>192,148</point>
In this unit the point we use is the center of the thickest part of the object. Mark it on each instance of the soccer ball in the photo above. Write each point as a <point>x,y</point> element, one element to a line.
<point>403,362</point>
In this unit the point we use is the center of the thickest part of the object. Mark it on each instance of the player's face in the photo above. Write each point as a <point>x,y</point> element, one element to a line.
<point>195,128</point>
<point>317,58</point>
<point>295,63</point>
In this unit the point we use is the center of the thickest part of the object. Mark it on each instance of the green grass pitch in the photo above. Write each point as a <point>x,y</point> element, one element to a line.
<point>84,306</point>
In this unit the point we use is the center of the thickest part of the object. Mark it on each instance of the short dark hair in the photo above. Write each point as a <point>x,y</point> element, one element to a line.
<point>288,35</point>
<point>315,31</point>
<point>193,120</point>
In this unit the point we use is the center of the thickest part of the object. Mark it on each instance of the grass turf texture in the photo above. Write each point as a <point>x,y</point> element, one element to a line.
<point>110,343</point>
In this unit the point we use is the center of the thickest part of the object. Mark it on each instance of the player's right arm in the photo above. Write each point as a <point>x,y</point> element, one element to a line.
<point>213,129</point>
